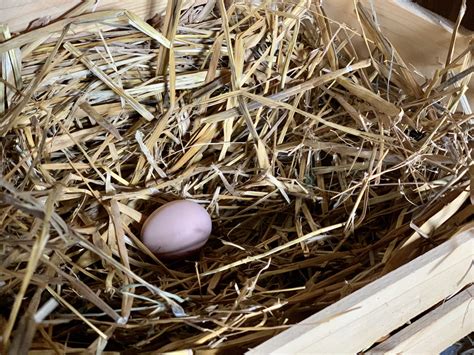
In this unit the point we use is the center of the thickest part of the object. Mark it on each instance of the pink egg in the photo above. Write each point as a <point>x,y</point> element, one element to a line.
<point>177,228</point>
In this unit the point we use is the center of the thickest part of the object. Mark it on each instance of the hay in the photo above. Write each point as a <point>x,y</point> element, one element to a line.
<point>322,171</point>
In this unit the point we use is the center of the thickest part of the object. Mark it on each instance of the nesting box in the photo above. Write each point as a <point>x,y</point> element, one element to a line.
<point>330,143</point>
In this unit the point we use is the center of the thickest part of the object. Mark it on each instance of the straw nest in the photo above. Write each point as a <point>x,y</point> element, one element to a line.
<point>323,169</point>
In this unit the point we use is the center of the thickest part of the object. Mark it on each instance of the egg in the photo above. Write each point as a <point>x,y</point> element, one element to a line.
<point>176,229</point>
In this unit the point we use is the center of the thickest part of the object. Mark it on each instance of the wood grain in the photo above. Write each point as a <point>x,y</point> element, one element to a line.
<point>360,319</point>
<point>19,14</point>
<point>435,331</point>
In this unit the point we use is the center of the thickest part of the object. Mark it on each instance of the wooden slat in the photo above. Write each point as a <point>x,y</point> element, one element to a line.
<point>19,13</point>
<point>360,319</point>
<point>435,331</point>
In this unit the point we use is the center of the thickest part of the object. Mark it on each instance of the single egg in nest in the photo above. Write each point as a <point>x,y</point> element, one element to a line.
<point>178,228</point>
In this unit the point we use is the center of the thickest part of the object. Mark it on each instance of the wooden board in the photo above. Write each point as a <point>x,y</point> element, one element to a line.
<point>391,301</point>
<point>19,13</point>
<point>435,331</point>
<point>421,37</point>
<point>357,321</point>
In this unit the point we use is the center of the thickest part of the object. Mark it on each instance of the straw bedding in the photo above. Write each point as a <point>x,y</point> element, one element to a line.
<point>323,168</point>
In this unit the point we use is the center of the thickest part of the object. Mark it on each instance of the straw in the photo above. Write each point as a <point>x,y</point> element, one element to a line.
<point>322,169</point>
